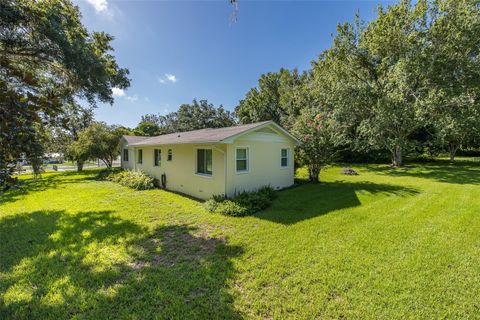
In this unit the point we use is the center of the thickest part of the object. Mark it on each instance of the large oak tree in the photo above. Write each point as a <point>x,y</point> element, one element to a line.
<point>47,60</point>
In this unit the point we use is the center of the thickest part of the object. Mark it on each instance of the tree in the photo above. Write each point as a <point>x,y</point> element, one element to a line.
<point>147,128</point>
<point>452,74</point>
<point>66,132</point>
<point>47,59</point>
<point>197,115</point>
<point>274,99</point>
<point>320,138</point>
<point>100,141</point>
<point>374,73</point>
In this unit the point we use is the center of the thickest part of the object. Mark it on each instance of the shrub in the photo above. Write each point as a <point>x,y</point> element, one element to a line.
<point>268,191</point>
<point>137,180</point>
<point>211,204</point>
<point>245,203</point>
<point>254,201</point>
<point>232,208</point>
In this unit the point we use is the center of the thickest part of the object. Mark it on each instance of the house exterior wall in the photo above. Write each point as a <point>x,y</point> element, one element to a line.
<point>180,172</point>
<point>127,164</point>
<point>264,165</point>
<point>264,151</point>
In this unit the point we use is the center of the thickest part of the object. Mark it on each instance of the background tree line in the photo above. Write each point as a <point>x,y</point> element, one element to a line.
<point>406,82</point>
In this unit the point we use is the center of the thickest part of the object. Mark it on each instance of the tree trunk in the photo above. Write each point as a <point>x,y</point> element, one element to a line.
<point>314,174</point>
<point>452,149</point>
<point>80,165</point>
<point>397,156</point>
<point>107,163</point>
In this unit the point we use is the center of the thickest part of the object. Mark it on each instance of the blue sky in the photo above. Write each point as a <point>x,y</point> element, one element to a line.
<point>180,50</point>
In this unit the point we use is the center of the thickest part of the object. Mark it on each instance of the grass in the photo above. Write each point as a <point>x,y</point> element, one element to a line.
<point>389,243</point>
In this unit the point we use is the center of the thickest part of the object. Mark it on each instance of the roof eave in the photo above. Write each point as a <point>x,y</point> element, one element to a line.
<point>172,144</point>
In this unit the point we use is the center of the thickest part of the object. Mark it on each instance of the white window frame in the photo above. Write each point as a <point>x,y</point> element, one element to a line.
<point>123,156</point>
<point>288,158</point>
<point>195,169</point>
<point>138,156</point>
<point>248,159</point>
<point>169,154</point>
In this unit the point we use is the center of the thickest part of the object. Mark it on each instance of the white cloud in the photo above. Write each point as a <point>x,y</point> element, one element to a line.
<point>132,98</point>
<point>168,77</point>
<point>120,93</point>
<point>171,77</point>
<point>99,5</point>
<point>117,92</point>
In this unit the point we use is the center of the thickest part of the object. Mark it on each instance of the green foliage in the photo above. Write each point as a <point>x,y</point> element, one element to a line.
<point>233,208</point>
<point>268,192</point>
<point>370,77</point>
<point>453,74</point>
<point>62,134</point>
<point>211,205</point>
<point>47,59</point>
<point>243,204</point>
<point>147,128</point>
<point>321,135</point>
<point>98,140</point>
<point>134,179</point>
<point>276,98</point>
<point>197,115</point>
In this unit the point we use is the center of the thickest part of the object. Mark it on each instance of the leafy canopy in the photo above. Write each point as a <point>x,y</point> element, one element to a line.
<point>98,141</point>
<point>47,60</point>
<point>197,115</point>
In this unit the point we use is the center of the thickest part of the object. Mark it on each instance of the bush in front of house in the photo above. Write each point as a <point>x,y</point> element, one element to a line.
<point>134,179</point>
<point>243,204</point>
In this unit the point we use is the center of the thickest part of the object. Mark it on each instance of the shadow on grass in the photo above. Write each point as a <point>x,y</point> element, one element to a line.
<point>47,181</point>
<point>96,265</point>
<point>311,200</point>
<point>461,172</point>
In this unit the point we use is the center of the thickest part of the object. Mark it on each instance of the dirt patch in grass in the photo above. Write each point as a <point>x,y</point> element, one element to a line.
<point>183,247</point>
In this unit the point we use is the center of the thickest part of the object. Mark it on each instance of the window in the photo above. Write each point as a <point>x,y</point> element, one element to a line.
<point>157,156</point>
<point>242,160</point>
<point>204,161</point>
<point>140,156</point>
<point>169,155</point>
<point>125,154</point>
<point>284,158</point>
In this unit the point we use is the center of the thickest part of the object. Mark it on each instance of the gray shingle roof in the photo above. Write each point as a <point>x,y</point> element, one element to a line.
<point>200,136</point>
<point>134,139</point>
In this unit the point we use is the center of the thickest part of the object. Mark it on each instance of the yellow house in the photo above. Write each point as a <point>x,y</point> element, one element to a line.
<point>207,162</point>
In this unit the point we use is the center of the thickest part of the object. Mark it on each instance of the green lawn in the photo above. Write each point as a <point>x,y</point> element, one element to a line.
<point>385,244</point>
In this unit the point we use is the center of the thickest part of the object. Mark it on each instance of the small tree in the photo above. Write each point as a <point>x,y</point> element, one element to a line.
<point>99,140</point>
<point>320,135</point>
<point>78,152</point>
